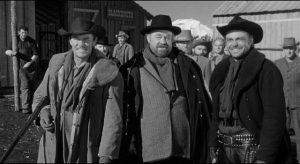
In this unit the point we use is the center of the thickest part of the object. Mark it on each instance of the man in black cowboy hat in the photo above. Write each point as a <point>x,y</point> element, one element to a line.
<point>289,67</point>
<point>81,96</point>
<point>102,45</point>
<point>166,105</point>
<point>123,51</point>
<point>248,121</point>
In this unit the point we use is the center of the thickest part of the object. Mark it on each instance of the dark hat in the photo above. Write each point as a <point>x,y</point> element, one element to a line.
<point>104,41</point>
<point>289,42</point>
<point>185,35</point>
<point>161,22</point>
<point>83,26</point>
<point>238,23</point>
<point>122,33</point>
<point>203,43</point>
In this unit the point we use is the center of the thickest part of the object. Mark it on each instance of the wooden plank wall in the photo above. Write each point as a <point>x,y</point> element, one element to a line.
<point>25,16</point>
<point>275,26</point>
<point>112,26</point>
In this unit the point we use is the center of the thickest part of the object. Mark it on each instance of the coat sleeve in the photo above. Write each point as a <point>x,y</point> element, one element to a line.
<point>112,127</point>
<point>273,121</point>
<point>130,52</point>
<point>42,92</point>
<point>115,51</point>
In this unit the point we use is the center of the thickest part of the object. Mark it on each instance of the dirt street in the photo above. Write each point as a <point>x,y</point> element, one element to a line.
<point>10,123</point>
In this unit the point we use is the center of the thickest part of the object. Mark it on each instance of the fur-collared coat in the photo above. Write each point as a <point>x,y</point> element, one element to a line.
<point>259,101</point>
<point>199,107</point>
<point>102,124</point>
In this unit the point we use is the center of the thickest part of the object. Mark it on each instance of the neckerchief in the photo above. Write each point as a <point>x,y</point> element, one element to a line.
<point>164,67</point>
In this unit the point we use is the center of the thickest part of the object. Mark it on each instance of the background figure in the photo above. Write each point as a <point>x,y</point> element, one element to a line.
<point>183,41</point>
<point>28,53</point>
<point>298,49</point>
<point>289,67</point>
<point>167,107</point>
<point>102,45</point>
<point>81,95</point>
<point>218,46</point>
<point>200,48</point>
<point>123,51</point>
<point>248,121</point>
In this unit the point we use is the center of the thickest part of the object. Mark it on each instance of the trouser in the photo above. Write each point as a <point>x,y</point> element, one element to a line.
<point>27,87</point>
<point>239,147</point>
<point>295,113</point>
<point>172,160</point>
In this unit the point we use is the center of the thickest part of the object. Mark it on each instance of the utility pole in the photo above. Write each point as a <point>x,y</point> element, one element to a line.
<point>14,58</point>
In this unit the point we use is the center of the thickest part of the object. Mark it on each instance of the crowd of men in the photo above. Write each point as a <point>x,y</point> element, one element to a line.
<point>179,100</point>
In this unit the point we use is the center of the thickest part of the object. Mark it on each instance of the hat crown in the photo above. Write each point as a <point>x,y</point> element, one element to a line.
<point>185,35</point>
<point>161,20</point>
<point>81,24</point>
<point>289,42</point>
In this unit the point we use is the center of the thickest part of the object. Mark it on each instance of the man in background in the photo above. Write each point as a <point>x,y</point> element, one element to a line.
<point>183,41</point>
<point>218,46</point>
<point>27,55</point>
<point>289,67</point>
<point>123,51</point>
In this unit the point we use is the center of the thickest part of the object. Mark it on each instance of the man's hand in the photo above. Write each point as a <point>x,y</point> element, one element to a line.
<point>46,120</point>
<point>213,151</point>
<point>10,53</point>
<point>27,65</point>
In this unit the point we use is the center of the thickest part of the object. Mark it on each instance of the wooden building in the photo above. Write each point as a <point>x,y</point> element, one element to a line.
<point>44,18</point>
<point>279,19</point>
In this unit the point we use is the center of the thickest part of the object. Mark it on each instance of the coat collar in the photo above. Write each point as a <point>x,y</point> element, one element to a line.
<point>251,66</point>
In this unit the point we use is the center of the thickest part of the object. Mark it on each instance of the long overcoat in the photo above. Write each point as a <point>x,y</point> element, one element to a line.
<point>259,100</point>
<point>102,125</point>
<point>199,107</point>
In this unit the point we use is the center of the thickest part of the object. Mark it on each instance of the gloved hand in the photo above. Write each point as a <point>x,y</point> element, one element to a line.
<point>213,151</point>
<point>10,53</point>
<point>46,120</point>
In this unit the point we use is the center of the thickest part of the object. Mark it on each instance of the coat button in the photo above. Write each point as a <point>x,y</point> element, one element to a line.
<point>194,76</point>
<point>198,89</point>
<point>199,102</point>
<point>201,115</point>
<point>249,118</point>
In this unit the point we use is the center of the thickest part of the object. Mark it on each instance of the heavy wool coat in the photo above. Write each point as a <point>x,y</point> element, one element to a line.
<point>123,53</point>
<point>102,124</point>
<point>259,101</point>
<point>199,107</point>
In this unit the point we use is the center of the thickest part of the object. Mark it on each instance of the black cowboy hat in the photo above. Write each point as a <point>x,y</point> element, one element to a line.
<point>161,22</point>
<point>104,41</point>
<point>238,23</point>
<point>83,26</point>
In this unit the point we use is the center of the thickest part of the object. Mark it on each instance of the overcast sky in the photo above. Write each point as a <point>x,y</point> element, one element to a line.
<point>199,10</point>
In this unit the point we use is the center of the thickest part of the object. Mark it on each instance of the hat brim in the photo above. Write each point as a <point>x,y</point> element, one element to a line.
<point>95,30</point>
<point>250,27</point>
<point>125,35</point>
<point>176,30</point>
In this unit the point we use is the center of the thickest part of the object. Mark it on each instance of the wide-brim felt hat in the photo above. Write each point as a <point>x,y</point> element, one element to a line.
<point>184,35</point>
<point>203,43</point>
<point>238,23</point>
<point>161,22</point>
<point>104,41</point>
<point>289,42</point>
<point>82,26</point>
<point>122,33</point>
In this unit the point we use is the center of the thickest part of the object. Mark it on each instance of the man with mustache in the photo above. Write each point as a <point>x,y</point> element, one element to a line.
<point>81,96</point>
<point>166,106</point>
<point>289,67</point>
<point>248,120</point>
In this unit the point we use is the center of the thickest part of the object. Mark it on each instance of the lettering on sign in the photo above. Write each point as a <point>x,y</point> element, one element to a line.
<point>118,13</point>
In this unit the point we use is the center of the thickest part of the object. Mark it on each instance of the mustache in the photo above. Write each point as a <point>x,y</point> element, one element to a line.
<point>162,46</point>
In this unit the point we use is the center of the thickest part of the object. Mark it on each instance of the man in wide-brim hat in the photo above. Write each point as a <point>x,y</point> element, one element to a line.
<point>183,41</point>
<point>81,124</point>
<point>167,104</point>
<point>248,120</point>
<point>123,51</point>
<point>289,66</point>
